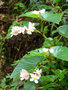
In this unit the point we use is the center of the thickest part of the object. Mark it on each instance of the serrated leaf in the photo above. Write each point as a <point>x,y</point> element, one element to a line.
<point>60,52</point>
<point>60,73</point>
<point>29,85</point>
<point>48,78</point>
<point>63,30</point>
<point>51,17</point>
<point>37,52</point>
<point>48,42</point>
<point>27,64</point>
<point>45,6</point>
<point>30,14</point>
<point>47,86</point>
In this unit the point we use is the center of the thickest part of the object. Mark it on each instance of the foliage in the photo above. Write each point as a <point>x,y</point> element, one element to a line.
<point>50,21</point>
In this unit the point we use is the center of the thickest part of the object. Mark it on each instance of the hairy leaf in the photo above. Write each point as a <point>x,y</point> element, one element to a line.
<point>60,52</point>
<point>63,30</point>
<point>27,64</point>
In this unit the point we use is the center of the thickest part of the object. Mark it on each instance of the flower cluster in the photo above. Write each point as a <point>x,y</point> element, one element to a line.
<point>35,76</point>
<point>16,29</point>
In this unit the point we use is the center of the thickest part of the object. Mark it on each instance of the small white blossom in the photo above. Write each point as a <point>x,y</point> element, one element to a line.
<point>22,29</point>
<point>29,31</point>
<point>24,74</point>
<point>15,30</point>
<point>34,78</point>
<point>39,71</point>
<point>51,50</point>
<point>31,28</point>
<point>36,12</point>
<point>31,25</point>
<point>45,49</point>
<point>40,11</point>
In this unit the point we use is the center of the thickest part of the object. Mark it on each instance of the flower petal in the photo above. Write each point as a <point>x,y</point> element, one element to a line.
<point>36,81</point>
<point>31,79</point>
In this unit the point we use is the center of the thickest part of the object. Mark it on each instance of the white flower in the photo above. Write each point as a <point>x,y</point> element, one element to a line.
<point>15,30</point>
<point>40,11</point>
<point>36,12</point>
<point>51,50</point>
<point>24,74</point>
<point>45,49</point>
<point>34,78</point>
<point>29,31</point>
<point>31,26</point>
<point>39,71</point>
<point>22,29</point>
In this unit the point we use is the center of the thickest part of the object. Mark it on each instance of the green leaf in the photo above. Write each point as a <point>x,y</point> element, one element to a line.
<point>10,1</point>
<point>36,24</point>
<point>47,16</point>
<point>48,42</point>
<point>51,17</point>
<point>30,14</point>
<point>53,32</point>
<point>29,85</point>
<point>15,7</point>
<point>9,33</point>
<point>48,86</point>
<point>57,1</point>
<point>13,88</point>
<point>22,5</point>
<point>37,52</point>
<point>60,73</point>
<point>60,52</point>
<point>45,29</point>
<point>48,78</point>
<point>27,64</point>
<point>45,6</point>
<point>63,30</point>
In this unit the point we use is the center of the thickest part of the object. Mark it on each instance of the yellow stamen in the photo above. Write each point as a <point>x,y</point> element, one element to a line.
<point>16,27</point>
<point>34,78</point>
<point>21,29</point>
<point>39,72</point>
<point>31,25</point>
<point>29,29</point>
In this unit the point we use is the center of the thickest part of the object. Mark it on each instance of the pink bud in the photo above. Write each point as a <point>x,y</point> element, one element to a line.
<point>19,19</point>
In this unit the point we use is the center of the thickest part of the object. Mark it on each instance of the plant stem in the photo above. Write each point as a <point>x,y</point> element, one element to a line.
<point>41,26</point>
<point>41,34</point>
<point>52,28</point>
<point>59,39</point>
